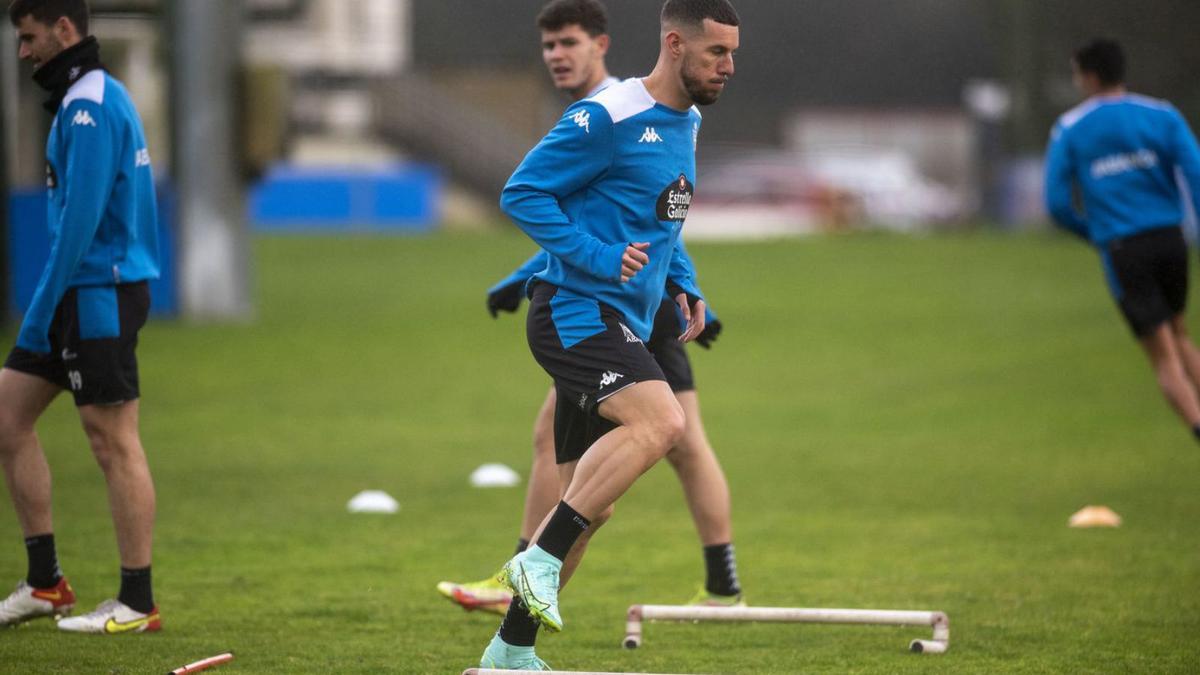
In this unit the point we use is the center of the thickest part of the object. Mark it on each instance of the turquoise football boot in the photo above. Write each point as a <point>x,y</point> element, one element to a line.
<point>533,577</point>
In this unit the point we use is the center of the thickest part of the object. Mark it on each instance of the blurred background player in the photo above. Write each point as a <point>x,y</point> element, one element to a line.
<point>574,43</point>
<point>606,193</point>
<point>80,332</point>
<point>1122,152</point>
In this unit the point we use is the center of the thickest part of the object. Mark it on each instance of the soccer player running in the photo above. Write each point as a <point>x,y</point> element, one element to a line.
<point>574,44</point>
<point>605,193</point>
<point>1122,151</point>
<point>80,330</point>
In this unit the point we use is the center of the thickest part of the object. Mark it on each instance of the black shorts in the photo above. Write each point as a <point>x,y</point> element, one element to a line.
<point>668,351</point>
<point>584,372</point>
<point>93,343</point>
<point>1148,276</point>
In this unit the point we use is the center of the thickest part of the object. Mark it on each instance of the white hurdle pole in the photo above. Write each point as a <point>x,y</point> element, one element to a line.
<point>489,671</point>
<point>890,617</point>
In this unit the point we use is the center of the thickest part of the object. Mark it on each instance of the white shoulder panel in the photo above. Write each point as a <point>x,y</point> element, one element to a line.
<point>625,99</point>
<point>1148,102</point>
<point>1072,116</point>
<point>90,87</point>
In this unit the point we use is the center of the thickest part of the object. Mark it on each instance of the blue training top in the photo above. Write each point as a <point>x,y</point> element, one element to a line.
<point>1122,152</point>
<point>103,217</point>
<point>618,168</point>
<point>540,260</point>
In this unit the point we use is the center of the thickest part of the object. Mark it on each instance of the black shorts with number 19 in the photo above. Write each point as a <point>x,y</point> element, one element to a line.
<point>585,371</point>
<point>93,344</point>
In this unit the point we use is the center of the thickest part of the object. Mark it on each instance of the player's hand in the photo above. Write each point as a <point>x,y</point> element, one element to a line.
<point>505,299</point>
<point>634,260</point>
<point>709,334</point>
<point>694,315</point>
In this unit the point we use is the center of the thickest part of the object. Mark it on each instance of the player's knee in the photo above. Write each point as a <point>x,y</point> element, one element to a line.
<point>661,432</point>
<point>102,443</point>
<point>108,445</point>
<point>13,429</point>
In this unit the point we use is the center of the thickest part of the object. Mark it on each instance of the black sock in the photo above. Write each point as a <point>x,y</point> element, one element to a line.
<point>135,589</point>
<point>43,562</point>
<point>1196,431</point>
<point>721,565</point>
<point>564,528</point>
<point>522,544</point>
<point>519,629</point>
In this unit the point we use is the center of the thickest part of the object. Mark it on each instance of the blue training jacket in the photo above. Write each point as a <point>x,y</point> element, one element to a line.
<point>1122,152</point>
<point>617,168</point>
<point>102,213</point>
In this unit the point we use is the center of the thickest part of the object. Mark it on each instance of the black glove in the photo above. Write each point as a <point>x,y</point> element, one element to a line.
<point>506,298</point>
<point>709,335</point>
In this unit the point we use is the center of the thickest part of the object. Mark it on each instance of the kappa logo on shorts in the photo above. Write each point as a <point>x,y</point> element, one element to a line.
<point>629,336</point>
<point>68,355</point>
<point>609,378</point>
<point>583,401</point>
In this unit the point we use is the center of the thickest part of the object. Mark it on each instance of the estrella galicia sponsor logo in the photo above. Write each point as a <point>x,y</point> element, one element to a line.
<point>51,177</point>
<point>674,202</point>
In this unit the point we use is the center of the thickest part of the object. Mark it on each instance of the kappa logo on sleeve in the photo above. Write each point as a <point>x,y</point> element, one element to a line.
<point>83,119</point>
<point>583,119</point>
<point>51,177</point>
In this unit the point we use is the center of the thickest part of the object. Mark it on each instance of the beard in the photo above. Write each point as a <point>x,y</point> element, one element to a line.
<point>696,87</point>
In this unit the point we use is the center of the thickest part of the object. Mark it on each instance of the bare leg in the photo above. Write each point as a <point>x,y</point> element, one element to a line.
<point>1161,348</point>
<point>113,434</point>
<point>700,474</point>
<point>23,399</point>
<point>566,472</point>
<point>651,422</point>
<point>542,493</point>
<point>1187,350</point>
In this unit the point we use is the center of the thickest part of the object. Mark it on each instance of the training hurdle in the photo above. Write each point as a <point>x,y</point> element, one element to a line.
<point>489,671</point>
<point>888,617</point>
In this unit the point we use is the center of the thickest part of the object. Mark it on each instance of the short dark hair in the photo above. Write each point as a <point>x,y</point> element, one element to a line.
<point>47,12</point>
<point>590,15</point>
<point>694,12</point>
<point>1104,59</point>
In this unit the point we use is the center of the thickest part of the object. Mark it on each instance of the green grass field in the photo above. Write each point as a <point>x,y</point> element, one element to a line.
<point>905,422</point>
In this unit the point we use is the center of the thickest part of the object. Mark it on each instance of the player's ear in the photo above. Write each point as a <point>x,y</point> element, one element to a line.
<point>674,42</point>
<point>63,29</point>
<point>602,42</point>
